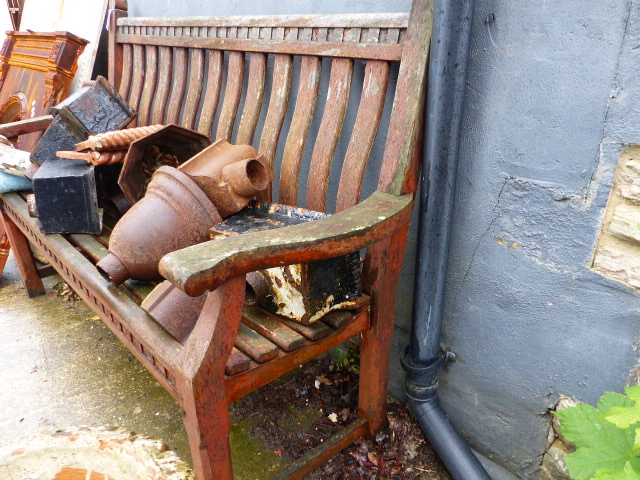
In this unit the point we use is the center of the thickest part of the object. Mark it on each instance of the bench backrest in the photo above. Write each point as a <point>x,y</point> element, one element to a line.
<point>198,71</point>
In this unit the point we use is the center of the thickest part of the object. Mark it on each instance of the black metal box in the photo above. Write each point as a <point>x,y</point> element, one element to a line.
<point>66,197</point>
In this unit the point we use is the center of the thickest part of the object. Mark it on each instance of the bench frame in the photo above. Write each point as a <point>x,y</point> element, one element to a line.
<point>194,373</point>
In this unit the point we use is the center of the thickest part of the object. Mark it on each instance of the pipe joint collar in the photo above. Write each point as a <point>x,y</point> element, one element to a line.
<point>425,375</point>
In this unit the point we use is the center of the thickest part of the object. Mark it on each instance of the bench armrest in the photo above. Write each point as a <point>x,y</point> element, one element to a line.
<point>28,125</point>
<point>208,265</point>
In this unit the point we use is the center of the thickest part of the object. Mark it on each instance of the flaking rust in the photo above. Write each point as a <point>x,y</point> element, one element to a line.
<point>302,292</point>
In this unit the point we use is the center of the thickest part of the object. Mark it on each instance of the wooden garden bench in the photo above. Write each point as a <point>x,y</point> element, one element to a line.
<point>196,72</point>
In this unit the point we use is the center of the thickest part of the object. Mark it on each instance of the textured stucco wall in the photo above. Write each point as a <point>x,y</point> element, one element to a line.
<point>552,99</point>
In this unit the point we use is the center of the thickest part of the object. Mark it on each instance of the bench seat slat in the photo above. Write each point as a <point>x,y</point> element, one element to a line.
<point>165,60</point>
<point>306,99</point>
<point>179,86</point>
<point>255,95</point>
<point>150,79</point>
<point>232,95</point>
<point>329,133</point>
<point>194,89</point>
<point>376,78</point>
<point>280,89</point>
<point>127,70</point>
<point>212,93</point>
<point>137,82</point>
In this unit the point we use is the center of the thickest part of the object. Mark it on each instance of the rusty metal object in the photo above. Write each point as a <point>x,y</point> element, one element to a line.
<point>257,289</point>
<point>95,158</point>
<point>230,175</point>
<point>36,70</point>
<point>303,292</point>
<point>176,311</point>
<point>93,109</point>
<point>116,140</point>
<point>97,106</point>
<point>171,145</point>
<point>174,214</point>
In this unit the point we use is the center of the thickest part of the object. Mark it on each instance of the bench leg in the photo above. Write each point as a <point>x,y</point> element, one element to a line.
<point>5,247</point>
<point>200,381</point>
<point>30,278</point>
<point>381,280</point>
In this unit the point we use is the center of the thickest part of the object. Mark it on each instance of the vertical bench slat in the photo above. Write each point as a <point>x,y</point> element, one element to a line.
<point>137,80</point>
<point>180,68</point>
<point>278,101</point>
<point>232,94</point>
<point>297,138</point>
<point>374,90</point>
<point>212,94</point>
<point>194,89</point>
<point>329,133</point>
<point>150,78</point>
<point>253,101</point>
<point>165,60</point>
<point>127,68</point>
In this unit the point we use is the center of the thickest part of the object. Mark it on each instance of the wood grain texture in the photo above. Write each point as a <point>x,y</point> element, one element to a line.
<point>203,267</point>
<point>306,99</point>
<point>179,87</point>
<point>232,95</point>
<point>278,101</point>
<point>255,345</point>
<point>127,71</point>
<point>5,247</point>
<point>374,51</point>
<point>359,20</point>
<point>212,94</point>
<point>374,90</point>
<point>253,101</point>
<point>271,329</point>
<point>200,381</point>
<point>137,82</point>
<point>165,63</point>
<point>149,88</point>
<point>329,133</point>
<point>28,272</point>
<point>380,281</point>
<point>194,87</point>
<point>246,382</point>
<point>399,172</point>
<point>115,49</point>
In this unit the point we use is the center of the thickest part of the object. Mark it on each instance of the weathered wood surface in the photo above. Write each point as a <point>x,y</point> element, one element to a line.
<point>171,68</point>
<point>376,51</point>
<point>28,272</point>
<point>232,95</point>
<point>5,247</point>
<point>212,92</point>
<point>205,266</point>
<point>329,133</point>
<point>359,20</point>
<point>28,125</point>
<point>298,132</point>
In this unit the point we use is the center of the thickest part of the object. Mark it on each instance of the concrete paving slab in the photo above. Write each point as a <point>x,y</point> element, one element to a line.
<point>62,367</point>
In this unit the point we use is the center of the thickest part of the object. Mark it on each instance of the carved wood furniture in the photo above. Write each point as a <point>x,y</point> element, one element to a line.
<point>36,71</point>
<point>174,70</point>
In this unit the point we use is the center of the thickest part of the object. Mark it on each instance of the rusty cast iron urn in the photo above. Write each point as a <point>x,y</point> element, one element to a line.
<point>174,214</point>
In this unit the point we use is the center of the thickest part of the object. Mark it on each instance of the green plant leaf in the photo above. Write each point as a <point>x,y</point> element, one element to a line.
<point>628,473</point>
<point>602,447</point>
<point>633,392</point>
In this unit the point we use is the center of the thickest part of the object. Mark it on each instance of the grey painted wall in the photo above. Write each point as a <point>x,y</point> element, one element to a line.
<point>552,99</point>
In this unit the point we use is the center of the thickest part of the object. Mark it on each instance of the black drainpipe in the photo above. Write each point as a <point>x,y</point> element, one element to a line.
<point>447,78</point>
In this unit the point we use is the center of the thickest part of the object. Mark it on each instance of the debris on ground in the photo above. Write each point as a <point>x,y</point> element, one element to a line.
<point>280,417</point>
<point>64,290</point>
